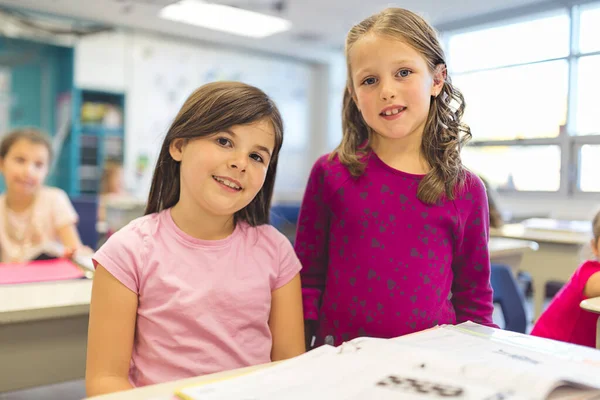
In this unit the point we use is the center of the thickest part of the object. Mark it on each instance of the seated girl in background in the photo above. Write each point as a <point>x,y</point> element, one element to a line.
<point>564,320</point>
<point>31,214</point>
<point>111,186</point>
<point>201,283</point>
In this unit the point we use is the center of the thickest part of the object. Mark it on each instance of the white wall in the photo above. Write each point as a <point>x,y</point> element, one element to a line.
<point>157,74</point>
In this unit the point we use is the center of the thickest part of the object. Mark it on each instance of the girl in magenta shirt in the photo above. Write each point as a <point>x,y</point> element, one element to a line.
<point>564,320</point>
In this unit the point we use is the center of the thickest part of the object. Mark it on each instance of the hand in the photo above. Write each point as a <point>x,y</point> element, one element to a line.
<point>83,250</point>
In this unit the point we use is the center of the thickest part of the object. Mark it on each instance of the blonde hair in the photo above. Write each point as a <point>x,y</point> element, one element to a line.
<point>444,133</point>
<point>111,168</point>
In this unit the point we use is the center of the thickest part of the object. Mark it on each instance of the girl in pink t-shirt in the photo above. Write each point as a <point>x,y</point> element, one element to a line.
<point>201,283</point>
<point>32,216</point>
<point>564,320</point>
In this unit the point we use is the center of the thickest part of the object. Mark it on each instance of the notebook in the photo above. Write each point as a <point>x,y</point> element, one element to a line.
<point>39,271</point>
<point>444,362</point>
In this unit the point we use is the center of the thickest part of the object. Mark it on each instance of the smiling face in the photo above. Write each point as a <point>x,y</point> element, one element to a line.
<point>221,174</point>
<point>392,86</point>
<point>25,167</point>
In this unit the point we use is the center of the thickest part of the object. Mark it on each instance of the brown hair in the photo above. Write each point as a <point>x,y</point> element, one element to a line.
<point>496,220</point>
<point>213,108</point>
<point>31,134</point>
<point>444,134</point>
<point>111,167</point>
<point>596,226</point>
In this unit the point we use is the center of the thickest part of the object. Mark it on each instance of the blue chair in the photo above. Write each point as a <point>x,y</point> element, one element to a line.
<point>284,218</point>
<point>509,296</point>
<point>87,209</point>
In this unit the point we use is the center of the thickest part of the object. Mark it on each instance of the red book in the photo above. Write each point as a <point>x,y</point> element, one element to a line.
<point>39,271</point>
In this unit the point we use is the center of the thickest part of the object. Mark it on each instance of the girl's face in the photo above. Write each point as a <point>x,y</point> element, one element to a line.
<point>392,86</point>
<point>25,167</point>
<point>595,244</point>
<point>222,173</point>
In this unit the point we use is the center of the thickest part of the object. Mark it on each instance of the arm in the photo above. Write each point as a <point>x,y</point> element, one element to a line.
<point>110,336</point>
<point>592,286</point>
<point>311,245</point>
<point>471,288</point>
<point>285,321</point>
<point>65,220</point>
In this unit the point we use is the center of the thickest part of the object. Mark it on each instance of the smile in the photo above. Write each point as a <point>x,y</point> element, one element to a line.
<point>226,182</point>
<point>392,111</point>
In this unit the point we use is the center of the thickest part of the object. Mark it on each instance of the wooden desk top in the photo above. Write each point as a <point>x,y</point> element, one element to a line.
<point>592,305</point>
<point>46,300</point>
<point>519,231</point>
<point>500,246</point>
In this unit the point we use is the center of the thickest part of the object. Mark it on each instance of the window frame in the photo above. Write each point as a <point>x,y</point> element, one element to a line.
<point>569,145</point>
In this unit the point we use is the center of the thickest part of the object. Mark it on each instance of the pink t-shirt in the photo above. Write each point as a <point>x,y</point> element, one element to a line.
<point>203,305</point>
<point>564,320</point>
<point>50,211</point>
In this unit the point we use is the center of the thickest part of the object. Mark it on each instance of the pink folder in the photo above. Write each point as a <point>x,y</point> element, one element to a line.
<point>39,271</point>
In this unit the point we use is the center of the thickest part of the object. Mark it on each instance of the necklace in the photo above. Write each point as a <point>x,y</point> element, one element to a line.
<point>23,237</point>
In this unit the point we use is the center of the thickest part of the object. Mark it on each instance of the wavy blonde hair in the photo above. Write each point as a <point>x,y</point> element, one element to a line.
<point>444,134</point>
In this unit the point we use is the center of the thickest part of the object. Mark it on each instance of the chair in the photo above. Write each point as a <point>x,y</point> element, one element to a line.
<point>509,296</point>
<point>593,305</point>
<point>284,218</point>
<point>87,209</point>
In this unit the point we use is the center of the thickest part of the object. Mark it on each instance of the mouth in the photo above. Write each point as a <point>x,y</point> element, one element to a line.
<point>228,182</point>
<point>391,111</point>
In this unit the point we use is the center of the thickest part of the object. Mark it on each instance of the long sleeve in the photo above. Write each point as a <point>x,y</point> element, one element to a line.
<point>312,239</point>
<point>471,289</point>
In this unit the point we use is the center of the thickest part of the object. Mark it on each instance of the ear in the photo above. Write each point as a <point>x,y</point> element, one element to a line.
<point>176,149</point>
<point>439,79</point>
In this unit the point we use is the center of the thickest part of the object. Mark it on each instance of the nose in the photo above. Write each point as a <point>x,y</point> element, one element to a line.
<point>239,161</point>
<point>387,90</point>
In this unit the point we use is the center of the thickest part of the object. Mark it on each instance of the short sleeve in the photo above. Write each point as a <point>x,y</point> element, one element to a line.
<point>123,255</point>
<point>289,265</point>
<point>63,213</point>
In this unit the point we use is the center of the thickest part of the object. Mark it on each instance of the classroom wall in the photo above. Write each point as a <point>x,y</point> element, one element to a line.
<point>157,74</point>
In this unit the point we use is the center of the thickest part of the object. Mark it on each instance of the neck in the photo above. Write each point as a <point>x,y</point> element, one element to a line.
<point>18,202</point>
<point>199,224</point>
<point>403,154</point>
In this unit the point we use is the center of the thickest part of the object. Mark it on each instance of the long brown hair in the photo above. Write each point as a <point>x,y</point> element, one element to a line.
<point>214,108</point>
<point>444,134</point>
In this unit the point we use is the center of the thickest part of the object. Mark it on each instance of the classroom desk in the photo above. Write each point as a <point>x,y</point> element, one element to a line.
<point>593,305</point>
<point>43,333</point>
<point>164,391</point>
<point>558,256</point>
<point>510,252</point>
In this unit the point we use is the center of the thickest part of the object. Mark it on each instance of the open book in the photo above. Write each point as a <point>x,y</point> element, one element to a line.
<point>467,361</point>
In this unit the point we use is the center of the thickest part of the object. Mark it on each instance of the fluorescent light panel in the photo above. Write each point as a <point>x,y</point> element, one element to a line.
<point>224,18</point>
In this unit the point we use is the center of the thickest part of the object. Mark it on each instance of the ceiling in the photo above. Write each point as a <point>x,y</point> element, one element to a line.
<point>319,26</point>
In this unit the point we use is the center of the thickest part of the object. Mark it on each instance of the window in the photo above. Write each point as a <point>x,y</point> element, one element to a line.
<point>531,100</point>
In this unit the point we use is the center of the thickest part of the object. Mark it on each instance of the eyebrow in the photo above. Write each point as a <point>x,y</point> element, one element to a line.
<point>259,147</point>
<point>401,61</point>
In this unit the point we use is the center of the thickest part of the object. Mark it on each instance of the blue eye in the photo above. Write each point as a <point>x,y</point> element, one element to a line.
<point>404,73</point>
<point>257,157</point>
<point>369,81</point>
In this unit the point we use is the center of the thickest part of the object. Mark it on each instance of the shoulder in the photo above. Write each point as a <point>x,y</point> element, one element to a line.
<point>471,188</point>
<point>140,229</point>
<point>53,194</point>
<point>587,269</point>
<point>263,236</point>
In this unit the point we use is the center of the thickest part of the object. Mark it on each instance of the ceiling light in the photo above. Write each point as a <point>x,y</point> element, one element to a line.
<point>224,18</point>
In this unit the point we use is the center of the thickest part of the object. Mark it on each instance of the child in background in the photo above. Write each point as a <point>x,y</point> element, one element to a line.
<point>393,231</point>
<point>201,283</point>
<point>564,320</point>
<point>111,186</point>
<point>496,220</point>
<point>32,214</point>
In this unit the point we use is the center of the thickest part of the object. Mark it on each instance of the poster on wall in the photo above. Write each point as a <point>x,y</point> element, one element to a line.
<point>4,100</point>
